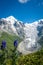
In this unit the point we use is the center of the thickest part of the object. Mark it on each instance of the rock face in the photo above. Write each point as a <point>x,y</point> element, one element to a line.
<point>12,25</point>
<point>31,32</point>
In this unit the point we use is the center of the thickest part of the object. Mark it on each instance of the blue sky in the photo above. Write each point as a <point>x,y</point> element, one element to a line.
<point>24,10</point>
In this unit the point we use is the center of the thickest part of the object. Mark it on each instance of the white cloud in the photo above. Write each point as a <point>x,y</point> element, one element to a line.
<point>23,1</point>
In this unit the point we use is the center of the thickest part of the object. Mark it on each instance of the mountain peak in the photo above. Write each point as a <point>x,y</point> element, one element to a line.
<point>41,20</point>
<point>31,32</point>
<point>11,18</point>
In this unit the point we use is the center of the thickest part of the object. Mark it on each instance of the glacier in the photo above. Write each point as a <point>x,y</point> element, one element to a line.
<point>29,32</point>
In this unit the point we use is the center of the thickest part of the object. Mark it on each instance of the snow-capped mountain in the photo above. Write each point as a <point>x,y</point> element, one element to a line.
<point>31,32</point>
<point>12,25</point>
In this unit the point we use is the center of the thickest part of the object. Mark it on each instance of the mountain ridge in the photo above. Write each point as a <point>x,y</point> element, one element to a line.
<point>31,32</point>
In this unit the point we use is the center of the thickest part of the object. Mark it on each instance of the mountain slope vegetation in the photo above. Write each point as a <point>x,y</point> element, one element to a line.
<point>9,39</point>
<point>31,59</point>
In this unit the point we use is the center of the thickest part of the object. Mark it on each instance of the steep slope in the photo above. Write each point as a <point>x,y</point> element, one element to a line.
<point>31,59</point>
<point>9,39</point>
<point>30,32</point>
<point>33,33</point>
<point>12,25</point>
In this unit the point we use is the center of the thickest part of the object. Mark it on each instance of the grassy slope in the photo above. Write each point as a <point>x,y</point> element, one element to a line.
<point>9,39</point>
<point>31,59</point>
